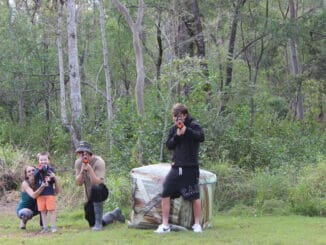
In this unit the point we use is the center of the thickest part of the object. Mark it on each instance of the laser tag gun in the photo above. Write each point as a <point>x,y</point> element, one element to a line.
<point>85,160</point>
<point>179,121</point>
<point>43,170</point>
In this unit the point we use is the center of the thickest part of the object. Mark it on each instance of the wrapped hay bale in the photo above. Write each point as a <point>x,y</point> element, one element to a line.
<point>147,185</point>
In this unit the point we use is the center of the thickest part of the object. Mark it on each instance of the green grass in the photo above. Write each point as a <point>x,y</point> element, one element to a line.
<point>225,229</point>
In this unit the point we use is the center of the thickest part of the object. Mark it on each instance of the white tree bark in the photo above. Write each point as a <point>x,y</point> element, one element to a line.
<point>136,31</point>
<point>106,63</point>
<point>74,77</point>
<point>64,118</point>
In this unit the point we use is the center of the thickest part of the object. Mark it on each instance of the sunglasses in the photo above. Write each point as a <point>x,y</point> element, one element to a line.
<point>84,153</point>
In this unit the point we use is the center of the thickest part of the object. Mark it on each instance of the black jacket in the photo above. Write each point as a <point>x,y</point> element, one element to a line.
<point>185,147</point>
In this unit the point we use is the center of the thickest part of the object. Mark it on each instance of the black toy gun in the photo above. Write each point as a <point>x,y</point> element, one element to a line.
<point>44,172</point>
<point>179,121</point>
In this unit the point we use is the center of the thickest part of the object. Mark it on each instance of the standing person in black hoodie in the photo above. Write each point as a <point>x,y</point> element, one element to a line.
<point>184,139</point>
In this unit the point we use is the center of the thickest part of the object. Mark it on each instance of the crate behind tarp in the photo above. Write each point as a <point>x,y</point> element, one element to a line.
<point>147,184</point>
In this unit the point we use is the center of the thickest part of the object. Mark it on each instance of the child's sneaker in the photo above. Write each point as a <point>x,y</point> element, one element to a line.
<point>162,229</point>
<point>54,229</point>
<point>44,230</point>
<point>197,228</point>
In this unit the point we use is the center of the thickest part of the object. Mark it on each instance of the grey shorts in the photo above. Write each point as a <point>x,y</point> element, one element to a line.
<point>182,182</point>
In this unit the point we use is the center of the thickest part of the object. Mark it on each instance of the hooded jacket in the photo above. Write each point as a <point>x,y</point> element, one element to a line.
<point>185,147</point>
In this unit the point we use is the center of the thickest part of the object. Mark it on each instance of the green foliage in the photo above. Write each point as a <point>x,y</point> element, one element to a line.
<point>279,192</point>
<point>275,207</point>
<point>12,159</point>
<point>308,197</point>
<point>120,192</point>
<point>71,196</point>
<point>233,187</point>
<point>270,187</point>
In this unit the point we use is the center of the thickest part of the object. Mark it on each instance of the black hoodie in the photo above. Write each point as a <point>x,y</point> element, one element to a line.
<point>185,147</point>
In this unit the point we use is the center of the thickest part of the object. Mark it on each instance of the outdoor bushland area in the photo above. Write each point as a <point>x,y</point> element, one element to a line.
<point>252,73</point>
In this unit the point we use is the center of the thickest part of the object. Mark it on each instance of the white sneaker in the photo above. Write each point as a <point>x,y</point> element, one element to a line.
<point>162,229</point>
<point>197,228</point>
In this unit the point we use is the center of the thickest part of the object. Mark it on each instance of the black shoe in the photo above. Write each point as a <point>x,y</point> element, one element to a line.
<point>120,216</point>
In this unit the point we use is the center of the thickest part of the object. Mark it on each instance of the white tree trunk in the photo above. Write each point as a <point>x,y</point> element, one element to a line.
<point>106,63</point>
<point>64,118</point>
<point>136,31</point>
<point>109,99</point>
<point>74,77</point>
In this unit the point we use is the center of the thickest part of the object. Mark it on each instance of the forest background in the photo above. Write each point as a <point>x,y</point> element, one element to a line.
<point>252,72</point>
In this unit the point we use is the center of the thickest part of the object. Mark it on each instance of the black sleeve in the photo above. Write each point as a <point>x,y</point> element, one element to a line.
<point>195,132</point>
<point>173,139</point>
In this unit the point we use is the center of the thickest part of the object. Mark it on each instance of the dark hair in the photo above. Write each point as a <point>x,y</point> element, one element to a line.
<point>179,108</point>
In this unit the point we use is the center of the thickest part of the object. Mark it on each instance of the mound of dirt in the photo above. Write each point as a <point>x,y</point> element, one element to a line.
<point>9,181</point>
<point>9,201</point>
<point>9,196</point>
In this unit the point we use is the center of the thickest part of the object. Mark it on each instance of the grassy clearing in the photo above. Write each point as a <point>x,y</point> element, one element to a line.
<point>225,229</point>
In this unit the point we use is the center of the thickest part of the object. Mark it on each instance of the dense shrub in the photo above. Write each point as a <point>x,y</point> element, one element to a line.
<point>270,186</point>
<point>308,197</point>
<point>275,207</point>
<point>233,187</point>
<point>120,191</point>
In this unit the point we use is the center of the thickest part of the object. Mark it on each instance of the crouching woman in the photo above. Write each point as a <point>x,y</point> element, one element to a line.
<point>27,206</point>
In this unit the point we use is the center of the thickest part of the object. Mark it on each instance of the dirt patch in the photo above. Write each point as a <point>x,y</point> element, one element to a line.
<point>9,181</point>
<point>8,202</point>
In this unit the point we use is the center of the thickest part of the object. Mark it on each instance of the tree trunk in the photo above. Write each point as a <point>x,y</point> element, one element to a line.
<point>64,118</point>
<point>160,49</point>
<point>253,55</point>
<point>198,30</point>
<point>46,94</point>
<point>190,38</point>
<point>232,40</point>
<point>74,78</point>
<point>295,65</point>
<point>21,108</point>
<point>234,26</point>
<point>109,100</point>
<point>139,88</point>
<point>136,31</point>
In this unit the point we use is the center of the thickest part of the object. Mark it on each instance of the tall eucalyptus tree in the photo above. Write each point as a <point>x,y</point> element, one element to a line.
<point>74,77</point>
<point>136,28</point>
<point>109,100</point>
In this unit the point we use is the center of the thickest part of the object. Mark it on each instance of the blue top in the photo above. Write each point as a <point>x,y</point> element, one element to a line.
<point>39,176</point>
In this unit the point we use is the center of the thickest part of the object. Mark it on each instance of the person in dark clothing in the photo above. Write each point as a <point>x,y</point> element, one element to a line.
<point>183,139</point>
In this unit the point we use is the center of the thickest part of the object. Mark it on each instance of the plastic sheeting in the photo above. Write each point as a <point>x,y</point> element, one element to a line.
<point>147,182</point>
